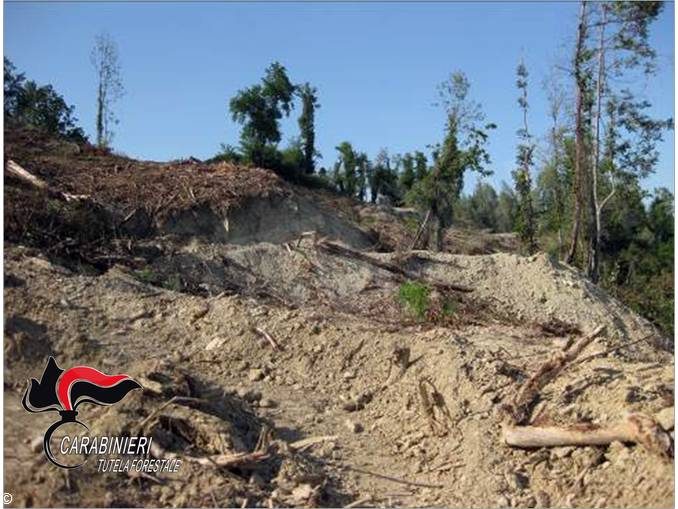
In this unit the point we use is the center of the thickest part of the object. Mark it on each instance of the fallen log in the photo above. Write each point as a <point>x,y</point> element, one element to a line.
<point>636,428</point>
<point>17,171</point>
<point>340,250</point>
<point>20,173</point>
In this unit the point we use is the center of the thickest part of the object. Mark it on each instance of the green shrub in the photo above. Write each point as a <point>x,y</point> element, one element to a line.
<point>415,297</point>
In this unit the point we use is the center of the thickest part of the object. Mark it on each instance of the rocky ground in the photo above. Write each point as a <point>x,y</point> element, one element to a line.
<point>271,343</point>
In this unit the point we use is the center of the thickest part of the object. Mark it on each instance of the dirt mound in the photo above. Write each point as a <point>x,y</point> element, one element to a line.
<point>538,289</point>
<point>292,370</point>
<point>479,242</point>
<point>521,289</point>
<point>333,375</point>
<point>158,189</point>
<point>89,198</point>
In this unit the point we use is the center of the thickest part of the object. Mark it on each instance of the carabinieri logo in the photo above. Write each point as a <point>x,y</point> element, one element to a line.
<point>63,391</point>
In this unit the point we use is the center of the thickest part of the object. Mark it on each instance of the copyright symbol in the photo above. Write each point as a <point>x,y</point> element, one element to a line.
<point>7,498</point>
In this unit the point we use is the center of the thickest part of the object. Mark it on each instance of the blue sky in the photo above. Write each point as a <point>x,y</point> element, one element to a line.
<point>376,66</point>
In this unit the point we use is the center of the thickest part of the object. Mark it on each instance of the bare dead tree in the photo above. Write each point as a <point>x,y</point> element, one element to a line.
<point>104,58</point>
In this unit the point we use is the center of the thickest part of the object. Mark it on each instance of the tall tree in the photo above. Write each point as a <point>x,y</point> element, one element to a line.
<point>622,52</point>
<point>259,109</point>
<point>462,150</point>
<point>347,168</point>
<point>580,60</point>
<point>309,103</point>
<point>384,178</point>
<point>522,175</point>
<point>104,59</point>
<point>612,47</point>
<point>552,185</point>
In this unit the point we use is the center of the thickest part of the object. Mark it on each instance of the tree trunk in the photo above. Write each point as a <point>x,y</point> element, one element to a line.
<point>579,177</point>
<point>435,237</point>
<point>100,114</point>
<point>594,247</point>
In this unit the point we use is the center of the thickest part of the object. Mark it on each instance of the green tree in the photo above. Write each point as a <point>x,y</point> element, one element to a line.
<point>292,158</point>
<point>612,48</point>
<point>364,169</point>
<point>582,81</point>
<point>526,224</point>
<point>637,247</point>
<point>483,206</point>
<point>259,109</point>
<point>408,175</point>
<point>229,154</point>
<point>43,108</point>
<point>555,179</point>
<point>309,104</point>
<point>661,220</point>
<point>462,150</point>
<point>39,107</point>
<point>13,85</point>
<point>346,169</point>
<point>384,179</point>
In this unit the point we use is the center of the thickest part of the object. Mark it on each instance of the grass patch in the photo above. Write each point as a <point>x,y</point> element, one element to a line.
<point>173,282</point>
<point>415,297</point>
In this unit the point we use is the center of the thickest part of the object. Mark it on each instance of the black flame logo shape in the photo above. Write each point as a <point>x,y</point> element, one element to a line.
<point>62,391</point>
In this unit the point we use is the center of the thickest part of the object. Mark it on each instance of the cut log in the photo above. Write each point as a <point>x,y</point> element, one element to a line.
<point>637,428</point>
<point>17,171</point>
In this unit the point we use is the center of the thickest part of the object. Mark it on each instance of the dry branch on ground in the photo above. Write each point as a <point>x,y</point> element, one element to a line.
<point>636,428</point>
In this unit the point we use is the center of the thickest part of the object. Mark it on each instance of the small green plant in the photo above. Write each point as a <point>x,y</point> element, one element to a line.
<point>415,296</point>
<point>146,275</point>
<point>173,282</point>
<point>449,308</point>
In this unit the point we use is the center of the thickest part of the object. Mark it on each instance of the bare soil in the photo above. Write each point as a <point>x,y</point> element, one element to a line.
<point>184,315</point>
